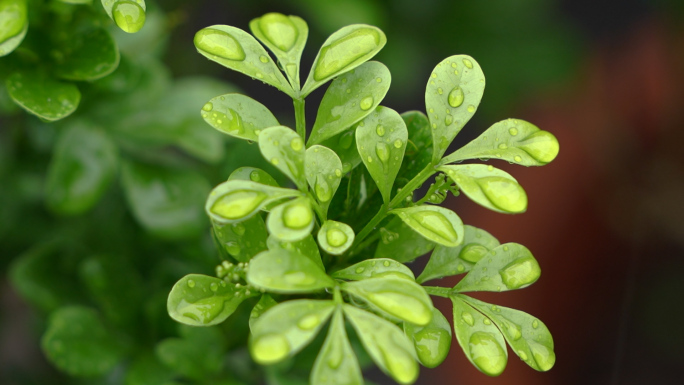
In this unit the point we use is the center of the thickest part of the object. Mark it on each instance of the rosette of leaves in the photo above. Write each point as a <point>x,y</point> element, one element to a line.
<point>329,238</point>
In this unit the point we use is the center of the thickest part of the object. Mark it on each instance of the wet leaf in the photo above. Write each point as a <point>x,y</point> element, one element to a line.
<point>43,96</point>
<point>344,145</point>
<point>419,147</point>
<point>238,115</point>
<point>306,247</point>
<point>432,341</point>
<point>434,223</point>
<point>336,363</point>
<point>400,242</point>
<point>335,237</point>
<point>284,271</point>
<point>374,268</point>
<point>238,200</point>
<point>291,221</point>
<point>253,174</point>
<point>242,240</point>
<point>285,150</point>
<point>88,56</point>
<point>265,302</point>
<point>323,173</point>
<point>129,15</point>
<point>13,25</point>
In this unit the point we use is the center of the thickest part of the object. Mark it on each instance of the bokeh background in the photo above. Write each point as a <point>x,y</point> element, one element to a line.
<point>606,218</point>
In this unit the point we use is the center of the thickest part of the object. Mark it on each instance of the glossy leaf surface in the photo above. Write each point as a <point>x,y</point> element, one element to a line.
<point>374,268</point>
<point>238,115</point>
<point>434,223</point>
<point>129,15</point>
<point>306,247</point>
<point>237,200</point>
<point>419,147</point>
<point>88,56</point>
<point>344,145</point>
<point>323,173</point>
<point>284,271</point>
<point>432,341</point>
<point>265,302</point>
<point>336,363</point>
<point>285,150</point>
<point>253,174</point>
<point>335,237</point>
<point>291,221</point>
<point>47,98</point>
<point>242,240</point>
<point>400,242</point>
<point>13,25</point>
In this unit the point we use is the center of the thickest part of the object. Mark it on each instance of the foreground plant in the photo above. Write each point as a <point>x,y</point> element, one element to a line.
<point>333,249</point>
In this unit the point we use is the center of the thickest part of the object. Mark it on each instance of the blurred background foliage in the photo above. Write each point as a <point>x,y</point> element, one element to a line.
<point>101,212</point>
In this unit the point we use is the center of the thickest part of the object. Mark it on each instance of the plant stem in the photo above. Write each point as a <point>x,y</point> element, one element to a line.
<point>317,208</point>
<point>300,117</point>
<point>439,291</point>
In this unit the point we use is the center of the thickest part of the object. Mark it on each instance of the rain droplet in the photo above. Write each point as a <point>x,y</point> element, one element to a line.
<point>344,51</point>
<point>323,190</point>
<point>513,131</point>
<point>503,193</point>
<point>219,43</point>
<point>517,158</point>
<point>270,348</point>
<point>486,353</point>
<point>309,322</point>
<point>297,216</point>
<point>472,252</point>
<point>128,15</point>
<point>263,59</point>
<point>297,144</point>
<point>440,91</point>
<point>380,130</point>
<point>238,204</point>
<point>520,273</point>
<point>432,346</point>
<point>336,237</point>
<point>438,224</point>
<point>254,176</point>
<point>346,140</point>
<point>191,283</point>
<point>208,106</point>
<point>386,263</point>
<point>468,318</point>
<point>468,63</point>
<point>359,270</point>
<point>279,30</point>
<point>398,143</point>
<point>233,248</point>
<point>366,103</point>
<point>471,109</point>
<point>543,356</point>
<point>448,120</point>
<point>455,97</point>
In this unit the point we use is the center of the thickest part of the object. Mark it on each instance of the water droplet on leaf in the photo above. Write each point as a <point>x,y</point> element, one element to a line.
<point>455,97</point>
<point>128,15</point>
<point>219,43</point>
<point>237,204</point>
<point>520,273</point>
<point>486,353</point>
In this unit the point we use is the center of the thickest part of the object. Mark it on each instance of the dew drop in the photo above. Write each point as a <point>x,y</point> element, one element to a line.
<point>359,270</point>
<point>309,322</point>
<point>471,109</point>
<point>380,130</point>
<point>455,97</point>
<point>191,283</point>
<point>503,193</point>
<point>382,150</point>
<point>254,176</point>
<point>128,15</point>
<point>468,318</point>
<point>219,43</point>
<point>472,252</point>
<point>468,63</point>
<point>270,348</point>
<point>513,131</point>
<point>279,30</point>
<point>297,144</point>
<point>517,158</point>
<point>297,216</point>
<point>323,190</point>
<point>432,346</point>
<point>208,106</point>
<point>336,237</point>
<point>386,263</point>
<point>344,51</point>
<point>438,224</point>
<point>398,143</point>
<point>520,273</point>
<point>486,353</point>
<point>233,249</point>
<point>238,204</point>
<point>366,103</point>
<point>263,59</point>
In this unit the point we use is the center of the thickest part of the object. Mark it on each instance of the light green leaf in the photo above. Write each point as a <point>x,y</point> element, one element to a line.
<point>285,150</point>
<point>286,37</point>
<point>481,341</point>
<point>344,145</point>
<point>432,341</point>
<point>512,140</point>
<point>238,115</point>
<point>349,99</point>
<point>452,96</point>
<point>242,240</point>
<point>265,302</point>
<point>43,96</point>
<point>77,342</point>
<point>237,200</point>
<point>335,237</point>
<point>306,247</point>
<point>489,187</point>
<point>336,362</point>
<point>254,174</point>
<point>88,56</point>
<point>13,25</point>
<point>510,266</point>
<point>437,224</point>
<point>286,328</point>
<point>381,140</point>
<point>236,49</point>
<point>396,296</point>
<point>343,51</point>
<point>84,164</point>
<point>446,261</point>
<point>129,15</point>
<point>200,300</point>
<point>387,345</point>
<point>400,242</point>
<point>374,268</point>
<point>323,173</point>
<point>284,271</point>
<point>529,338</point>
<point>291,221</point>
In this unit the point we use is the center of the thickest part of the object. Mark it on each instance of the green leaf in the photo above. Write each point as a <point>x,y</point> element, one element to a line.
<point>437,224</point>
<point>199,354</point>
<point>84,164</point>
<point>336,363</point>
<point>254,174</point>
<point>510,266</point>
<point>284,271</point>
<point>291,221</point>
<point>323,170</point>
<point>129,15</point>
<point>242,240</point>
<point>512,140</point>
<point>265,302</point>
<point>286,328</point>
<point>529,338</point>
<point>452,96</point>
<point>285,150</point>
<point>200,300</point>
<point>400,242</point>
<point>374,268</point>
<point>396,296</point>
<point>381,140</point>
<point>43,96</point>
<point>146,369</point>
<point>88,56</point>
<point>481,341</point>
<point>235,49</point>
<point>350,98</point>
<point>446,261</point>
<point>237,200</point>
<point>335,237</point>
<point>79,344</point>
<point>286,37</point>
<point>489,187</point>
<point>306,247</point>
<point>419,148</point>
<point>344,145</point>
<point>343,51</point>
<point>387,345</point>
<point>432,341</point>
<point>13,25</point>
<point>238,115</point>
<point>166,202</point>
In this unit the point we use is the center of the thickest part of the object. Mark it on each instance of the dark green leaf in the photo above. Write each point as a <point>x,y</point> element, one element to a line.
<point>344,146</point>
<point>432,341</point>
<point>146,370</point>
<point>198,355</point>
<point>284,271</point>
<point>435,223</point>
<point>336,363</point>
<point>374,268</point>
<point>400,242</point>
<point>242,240</point>
<point>88,56</point>
<point>238,115</point>
<point>419,148</point>
<point>43,96</point>
<point>285,150</point>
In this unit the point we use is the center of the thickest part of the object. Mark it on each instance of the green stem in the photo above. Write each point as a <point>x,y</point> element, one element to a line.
<point>317,208</point>
<point>439,291</point>
<point>300,117</point>
<point>337,295</point>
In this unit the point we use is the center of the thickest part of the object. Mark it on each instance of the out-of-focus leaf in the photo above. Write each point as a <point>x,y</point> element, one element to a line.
<point>284,271</point>
<point>336,362</point>
<point>88,56</point>
<point>43,96</point>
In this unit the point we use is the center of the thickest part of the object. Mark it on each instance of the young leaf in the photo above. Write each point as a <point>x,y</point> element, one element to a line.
<point>400,242</point>
<point>323,172</point>
<point>236,49</point>
<point>374,268</point>
<point>306,247</point>
<point>13,25</point>
<point>489,187</point>
<point>291,221</point>
<point>432,341</point>
<point>129,15</point>
<point>398,297</point>
<point>480,340</point>
<point>344,145</point>
<point>335,237</point>
<point>285,150</point>
<point>437,224</point>
<point>43,96</point>
<point>349,99</point>
<point>387,345</point>
<point>265,302</point>
<point>238,115</point>
<point>88,56</point>
<point>512,140</point>
<point>286,328</point>
<point>381,140</point>
<point>343,51</point>
<point>253,174</point>
<point>237,200</point>
<point>529,338</point>
<point>452,96</point>
<point>446,261</point>
<point>242,240</point>
<point>84,163</point>
<point>510,266</point>
<point>284,271</point>
<point>336,362</point>
<point>286,37</point>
